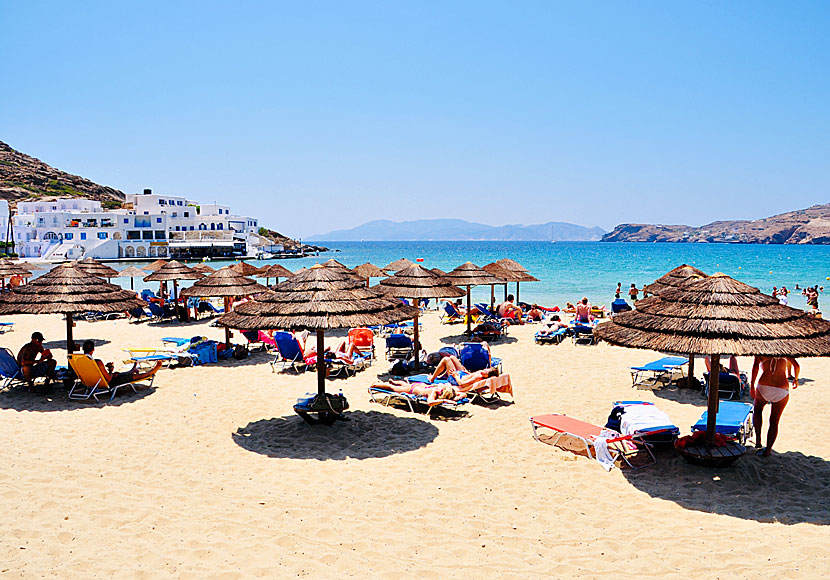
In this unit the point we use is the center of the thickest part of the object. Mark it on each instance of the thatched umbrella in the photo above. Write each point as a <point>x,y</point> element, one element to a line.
<point>174,271</point>
<point>717,315</point>
<point>275,271</point>
<point>438,271</point>
<point>96,268</point>
<point>68,290</point>
<point>367,271</point>
<point>469,275</point>
<point>672,279</point>
<point>505,275</point>
<point>226,283</point>
<point>318,299</point>
<point>517,269</point>
<point>9,269</point>
<point>335,265</point>
<point>245,269</point>
<point>131,273</point>
<point>398,265</point>
<point>203,268</point>
<point>153,266</point>
<point>31,266</point>
<point>417,282</point>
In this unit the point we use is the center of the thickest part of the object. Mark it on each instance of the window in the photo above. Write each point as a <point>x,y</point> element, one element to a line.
<point>158,220</point>
<point>161,202</point>
<point>172,202</point>
<point>180,203</point>
<point>177,228</point>
<point>187,214</point>
<point>102,235</point>
<point>160,234</point>
<point>133,235</point>
<point>191,228</point>
<point>147,235</point>
<point>175,214</point>
<point>83,235</point>
<point>126,220</point>
<point>146,213</point>
<point>213,226</point>
<point>202,227</point>
<point>218,226</point>
<point>67,236</point>
<point>142,222</point>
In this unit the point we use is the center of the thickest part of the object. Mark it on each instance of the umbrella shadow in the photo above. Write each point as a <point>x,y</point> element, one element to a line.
<point>459,338</point>
<point>61,344</point>
<point>685,396</point>
<point>367,434</point>
<point>787,488</point>
<point>19,399</point>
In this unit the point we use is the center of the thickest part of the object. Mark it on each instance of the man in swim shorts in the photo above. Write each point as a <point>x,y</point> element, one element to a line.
<point>772,388</point>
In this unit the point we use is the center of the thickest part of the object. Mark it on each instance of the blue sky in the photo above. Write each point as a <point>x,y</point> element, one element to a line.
<point>323,115</point>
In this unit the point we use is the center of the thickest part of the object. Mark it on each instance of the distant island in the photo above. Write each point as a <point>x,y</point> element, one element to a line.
<point>461,230</point>
<point>805,226</point>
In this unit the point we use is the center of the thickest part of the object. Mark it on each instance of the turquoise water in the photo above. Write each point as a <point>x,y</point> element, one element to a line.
<point>569,270</point>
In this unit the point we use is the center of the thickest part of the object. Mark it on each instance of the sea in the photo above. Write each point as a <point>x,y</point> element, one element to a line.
<point>567,271</point>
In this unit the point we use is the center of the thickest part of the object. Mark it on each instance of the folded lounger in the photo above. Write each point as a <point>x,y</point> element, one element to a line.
<point>734,420</point>
<point>618,446</point>
<point>413,402</point>
<point>91,382</point>
<point>659,371</point>
<point>730,387</point>
<point>555,337</point>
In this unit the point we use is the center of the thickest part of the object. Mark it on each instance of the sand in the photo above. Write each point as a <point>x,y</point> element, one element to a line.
<point>211,475</point>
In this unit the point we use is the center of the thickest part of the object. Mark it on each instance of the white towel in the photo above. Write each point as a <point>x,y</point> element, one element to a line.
<point>603,455</point>
<point>638,417</point>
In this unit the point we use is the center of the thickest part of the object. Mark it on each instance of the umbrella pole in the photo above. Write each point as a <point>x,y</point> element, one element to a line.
<point>712,408</point>
<point>517,292</point>
<point>321,363</point>
<point>469,316</point>
<point>132,283</point>
<point>417,342</point>
<point>505,291</point>
<point>227,330</point>
<point>691,370</point>
<point>70,342</point>
<point>492,297</point>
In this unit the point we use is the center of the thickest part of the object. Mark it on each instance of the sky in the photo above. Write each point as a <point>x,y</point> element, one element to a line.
<point>316,116</point>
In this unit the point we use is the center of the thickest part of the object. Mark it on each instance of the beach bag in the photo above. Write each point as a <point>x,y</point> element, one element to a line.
<point>240,351</point>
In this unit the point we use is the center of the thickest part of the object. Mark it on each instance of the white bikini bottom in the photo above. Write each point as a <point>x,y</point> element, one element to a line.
<point>771,394</point>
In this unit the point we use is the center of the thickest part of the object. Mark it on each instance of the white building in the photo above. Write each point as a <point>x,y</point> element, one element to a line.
<point>147,225</point>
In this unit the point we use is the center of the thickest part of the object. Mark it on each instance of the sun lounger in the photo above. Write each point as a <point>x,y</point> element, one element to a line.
<point>583,334</point>
<point>6,327</point>
<point>364,341</point>
<point>645,419</point>
<point>488,390</point>
<point>733,420</point>
<point>730,387</point>
<point>659,371</point>
<point>604,445</point>
<point>91,382</point>
<point>553,338</point>
<point>413,402</point>
<point>160,313</point>
<point>289,352</point>
<point>474,357</point>
<point>10,373</point>
<point>449,314</point>
<point>399,347</point>
<point>620,305</point>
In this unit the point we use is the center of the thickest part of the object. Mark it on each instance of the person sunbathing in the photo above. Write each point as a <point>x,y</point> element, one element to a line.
<point>455,373</point>
<point>435,394</point>
<point>534,313</point>
<point>733,366</point>
<point>552,326</point>
<point>509,310</point>
<point>121,378</point>
<point>583,311</point>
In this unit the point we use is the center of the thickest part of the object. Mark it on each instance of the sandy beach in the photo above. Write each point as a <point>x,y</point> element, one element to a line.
<point>211,475</point>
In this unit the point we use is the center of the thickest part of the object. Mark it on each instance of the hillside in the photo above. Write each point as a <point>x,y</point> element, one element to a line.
<point>461,230</point>
<point>24,178</point>
<point>806,226</point>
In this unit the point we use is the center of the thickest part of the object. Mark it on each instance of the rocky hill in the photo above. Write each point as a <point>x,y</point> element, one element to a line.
<point>24,178</point>
<point>806,226</point>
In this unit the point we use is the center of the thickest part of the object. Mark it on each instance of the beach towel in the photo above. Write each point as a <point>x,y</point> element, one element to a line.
<point>639,417</point>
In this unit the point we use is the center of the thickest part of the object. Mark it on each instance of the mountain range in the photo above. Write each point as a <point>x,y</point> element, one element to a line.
<point>461,230</point>
<point>804,226</point>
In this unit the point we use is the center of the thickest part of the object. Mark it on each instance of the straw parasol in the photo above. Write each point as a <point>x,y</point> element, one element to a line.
<point>246,269</point>
<point>505,275</point>
<point>153,266</point>
<point>469,275</point>
<point>31,266</point>
<point>673,278</point>
<point>417,282</point>
<point>68,290</point>
<point>275,271</point>
<point>174,271</point>
<point>96,268</point>
<point>335,265</point>
<point>225,283</point>
<point>131,272</point>
<point>716,315</point>
<point>318,299</point>
<point>438,271</point>
<point>519,270</point>
<point>367,271</point>
<point>9,269</point>
<point>203,268</point>
<point>398,265</point>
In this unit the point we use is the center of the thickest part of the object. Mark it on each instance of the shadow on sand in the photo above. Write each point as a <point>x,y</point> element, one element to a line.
<point>787,488</point>
<point>19,399</point>
<point>61,344</point>
<point>365,435</point>
<point>459,338</point>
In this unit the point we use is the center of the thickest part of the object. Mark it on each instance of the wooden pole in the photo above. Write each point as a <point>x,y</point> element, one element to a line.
<point>469,316</point>
<point>505,291</point>
<point>492,297</point>
<point>712,408</point>
<point>227,330</point>
<point>691,370</point>
<point>417,342</point>
<point>70,342</point>
<point>321,362</point>
<point>517,293</point>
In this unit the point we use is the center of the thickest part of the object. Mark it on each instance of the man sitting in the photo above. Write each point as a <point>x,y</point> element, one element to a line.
<point>509,310</point>
<point>114,379</point>
<point>33,367</point>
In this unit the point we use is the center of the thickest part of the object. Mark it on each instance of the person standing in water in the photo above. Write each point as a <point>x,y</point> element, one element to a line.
<point>772,388</point>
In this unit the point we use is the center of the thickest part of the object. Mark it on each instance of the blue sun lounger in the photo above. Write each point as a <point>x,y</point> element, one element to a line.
<point>733,420</point>
<point>659,371</point>
<point>474,357</point>
<point>554,338</point>
<point>6,327</point>
<point>413,402</point>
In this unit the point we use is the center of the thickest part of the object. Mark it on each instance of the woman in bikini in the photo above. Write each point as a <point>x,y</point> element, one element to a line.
<point>773,388</point>
<point>435,394</point>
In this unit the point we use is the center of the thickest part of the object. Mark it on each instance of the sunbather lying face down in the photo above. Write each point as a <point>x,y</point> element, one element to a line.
<point>435,394</point>
<point>551,326</point>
